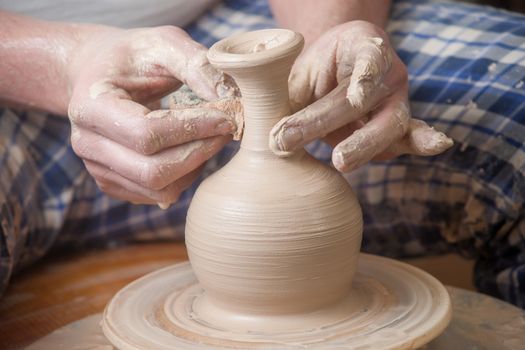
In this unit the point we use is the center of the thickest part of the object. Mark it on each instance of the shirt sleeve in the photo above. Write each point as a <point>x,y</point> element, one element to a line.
<point>501,272</point>
<point>19,212</point>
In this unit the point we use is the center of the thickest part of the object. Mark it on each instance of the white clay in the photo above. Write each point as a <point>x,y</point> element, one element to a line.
<point>267,235</point>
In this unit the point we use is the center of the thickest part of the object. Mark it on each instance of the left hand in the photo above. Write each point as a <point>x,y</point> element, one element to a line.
<point>351,88</point>
<point>135,153</point>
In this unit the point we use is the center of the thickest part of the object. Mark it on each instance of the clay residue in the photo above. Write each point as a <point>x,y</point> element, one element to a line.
<point>425,140</point>
<point>368,71</point>
<point>472,105</point>
<point>267,44</point>
<point>184,98</point>
<point>421,139</point>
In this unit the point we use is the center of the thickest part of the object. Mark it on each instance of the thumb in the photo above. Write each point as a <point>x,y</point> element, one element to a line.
<point>206,81</point>
<point>186,60</point>
<point>301,83</point>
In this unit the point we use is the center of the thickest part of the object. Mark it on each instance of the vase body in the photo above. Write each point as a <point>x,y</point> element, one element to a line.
<point>268,235</point>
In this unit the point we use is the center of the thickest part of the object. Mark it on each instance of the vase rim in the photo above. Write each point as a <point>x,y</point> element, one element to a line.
<point>255,48</point>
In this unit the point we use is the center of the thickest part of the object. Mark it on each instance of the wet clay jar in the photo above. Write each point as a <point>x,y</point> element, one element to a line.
<point>270,238</point>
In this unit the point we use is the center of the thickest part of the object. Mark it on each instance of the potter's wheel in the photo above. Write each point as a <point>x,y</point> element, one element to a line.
<point>392,306</point>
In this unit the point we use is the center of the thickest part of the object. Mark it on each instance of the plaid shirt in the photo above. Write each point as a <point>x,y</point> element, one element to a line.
<point>467,72</point>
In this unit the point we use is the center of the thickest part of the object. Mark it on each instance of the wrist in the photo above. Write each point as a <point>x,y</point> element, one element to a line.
<point>82,50</point>
<point>73,39</point>
<point>36,57</point>
<point>313,18</point>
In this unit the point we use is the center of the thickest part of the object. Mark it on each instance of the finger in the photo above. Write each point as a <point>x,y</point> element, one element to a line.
<point>155,171</point>
<point>388,124</point>
<point>118,192</point>
<point>186,60</point>
<point>337,136</point>
<point>312,78</point>
<point>301,84</point>
<point>372,62</point>
<point>109,179</point>
<point>149,132</point>
<point>123,194</point>
<point>421,139</point>
<point>316,120</point>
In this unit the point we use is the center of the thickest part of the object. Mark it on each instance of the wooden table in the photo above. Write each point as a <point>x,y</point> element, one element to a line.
<point>61,290</point>
<point>58,291</point>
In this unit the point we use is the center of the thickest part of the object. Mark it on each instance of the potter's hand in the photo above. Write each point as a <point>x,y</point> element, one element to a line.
<point>351,87</point>
<point>135,153</point>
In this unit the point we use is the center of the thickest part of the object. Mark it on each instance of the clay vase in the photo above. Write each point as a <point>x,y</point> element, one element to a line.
<point>269,237</point>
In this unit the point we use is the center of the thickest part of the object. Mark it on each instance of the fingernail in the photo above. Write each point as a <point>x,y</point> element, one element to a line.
<point>342,162</point>
<point>226,87</point>
<point>163,206</point>
<point>287,140</point>
<point>339,160</point>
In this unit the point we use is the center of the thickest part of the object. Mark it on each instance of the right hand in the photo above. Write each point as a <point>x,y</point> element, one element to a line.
<point>134,153</point>
<point>351,89</point>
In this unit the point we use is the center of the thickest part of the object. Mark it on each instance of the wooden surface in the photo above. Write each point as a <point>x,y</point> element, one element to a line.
<point>450,269</point>
<point>58,291</point>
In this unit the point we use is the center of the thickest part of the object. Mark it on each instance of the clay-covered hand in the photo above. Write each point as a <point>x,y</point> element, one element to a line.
<point>351,88</point>
<point>135,153</point>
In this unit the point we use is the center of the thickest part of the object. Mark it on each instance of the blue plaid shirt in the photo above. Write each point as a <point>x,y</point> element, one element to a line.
<point>467,71</point>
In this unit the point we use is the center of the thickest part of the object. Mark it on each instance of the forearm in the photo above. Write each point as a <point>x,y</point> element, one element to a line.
<point>312,17</point>
<point>34,58</point>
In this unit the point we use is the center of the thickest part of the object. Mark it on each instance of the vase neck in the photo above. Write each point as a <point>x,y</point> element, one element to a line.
<point>260,63</point>
<point>265,101</point>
